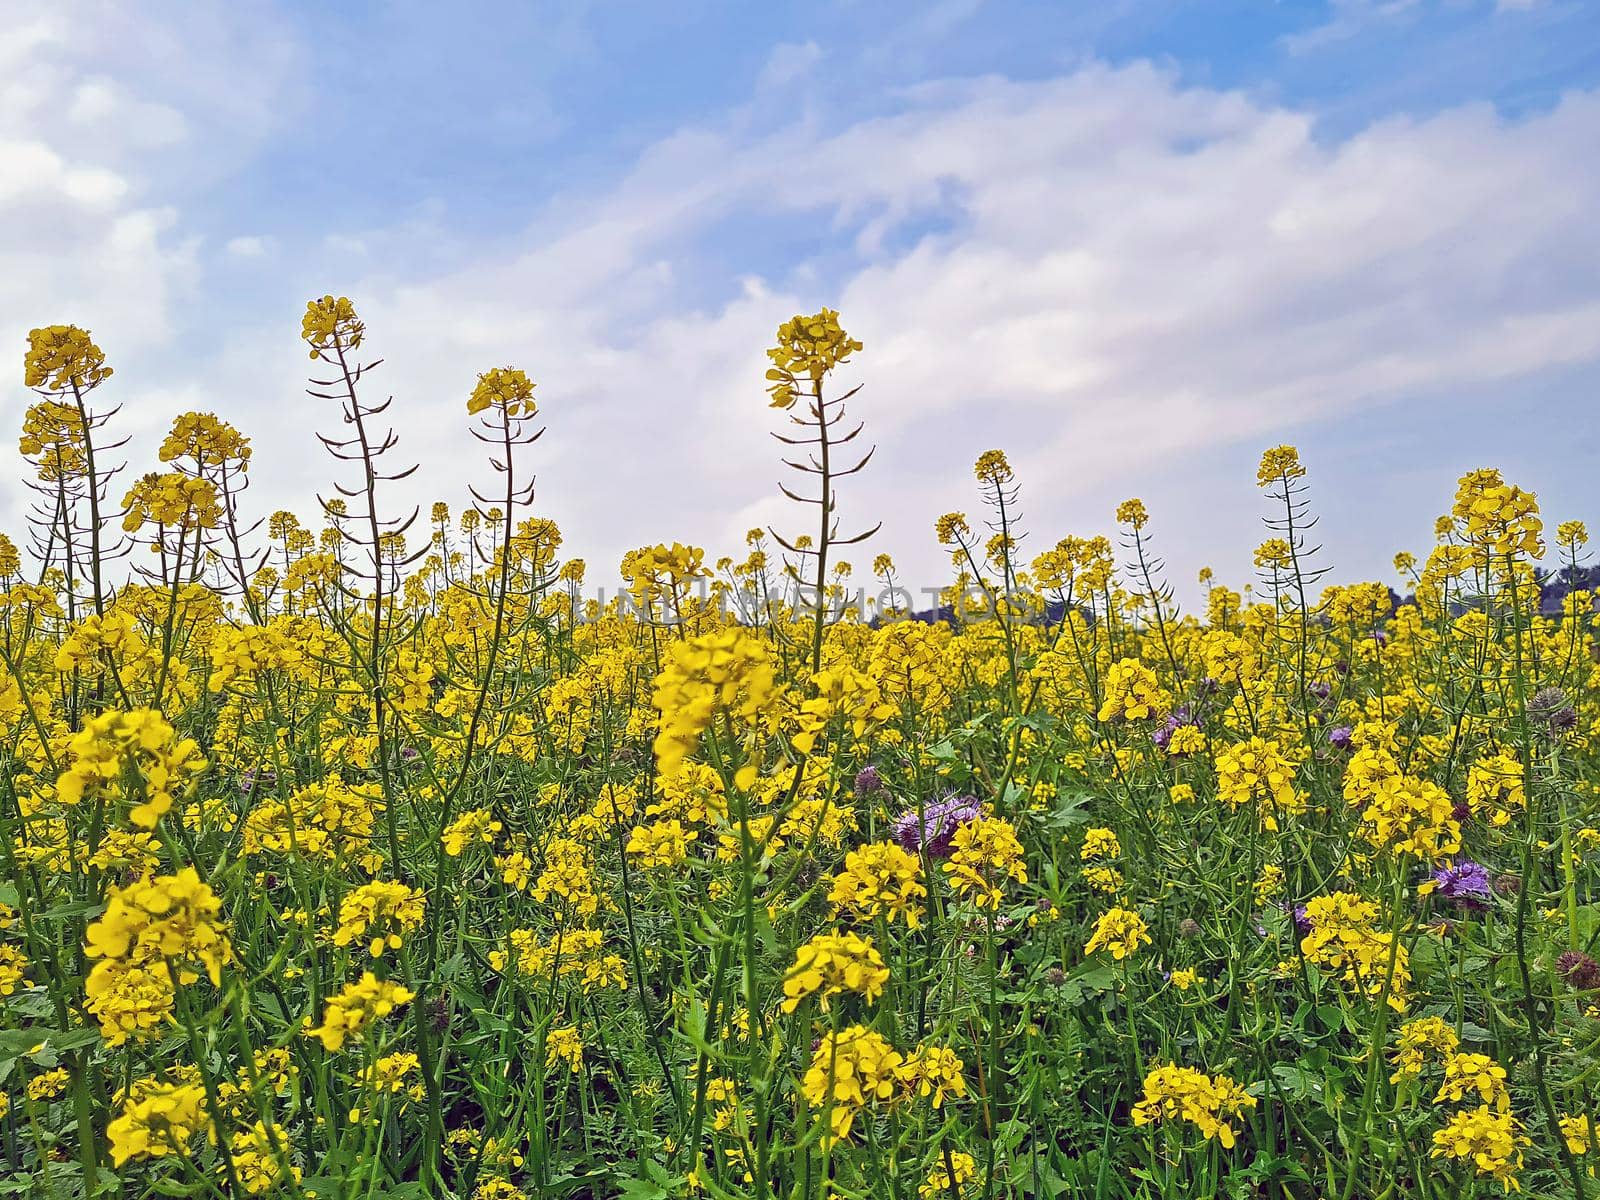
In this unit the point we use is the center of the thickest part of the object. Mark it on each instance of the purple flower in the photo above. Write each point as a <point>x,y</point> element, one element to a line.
<point>1464,881</point>
<point>1321,689</point>
<point>933,828</point>
<point>249,778</point>
<point>868,781</point>
<point>1298,912</point>
<point>1339,737</point>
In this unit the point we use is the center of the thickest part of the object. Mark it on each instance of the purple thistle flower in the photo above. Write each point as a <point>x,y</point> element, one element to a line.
<point>868,781</point>
<point>933,829</point>
<point>1339,737</point>
<point>1298,912</point>
<point>1465,882</point>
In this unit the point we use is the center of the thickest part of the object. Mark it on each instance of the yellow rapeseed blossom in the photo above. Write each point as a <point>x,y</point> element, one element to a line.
<point>728,672</point>
<point>382,911</point>
<point>564,1045</point>
<point>660,844</point>
<point>1208,1102</point>
<point>808,348</point>
<point>831,964</point>
<point>1419,1042</point>
<point>162,1121</point>
<point>63,358</point>
<point>1132,693</point>
<point>880,879</point>
<point>985,854</point>
<point>1120,931</point>
<point>506,389</point>
<point>330,326</point>
<point>349,1012</point>
<point>1491,1140</point>
<point>850,1070</point>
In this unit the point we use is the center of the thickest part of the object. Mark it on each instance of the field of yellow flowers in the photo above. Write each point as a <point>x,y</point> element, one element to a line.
<point>369,858</point>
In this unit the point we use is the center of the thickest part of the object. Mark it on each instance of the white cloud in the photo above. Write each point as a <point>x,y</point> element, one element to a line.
<point>1352,18</point>
<point>97,122</point>
<point>1117,273</point>
<point>102,102</point>
<point>247,247</point>
<point>788,62</point>
<point>1109,274</point>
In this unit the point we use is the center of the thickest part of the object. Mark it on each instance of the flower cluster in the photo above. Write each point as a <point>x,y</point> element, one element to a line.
<point>1208,1102</point>
<point>808,348</point>
<point>349,1012</point>
<point>831,964</point>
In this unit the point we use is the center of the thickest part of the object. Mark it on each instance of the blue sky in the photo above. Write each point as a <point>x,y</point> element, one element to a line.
<point>1131,243</point>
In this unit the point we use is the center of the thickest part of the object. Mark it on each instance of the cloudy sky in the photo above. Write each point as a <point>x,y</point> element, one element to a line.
<point>1131,243</point>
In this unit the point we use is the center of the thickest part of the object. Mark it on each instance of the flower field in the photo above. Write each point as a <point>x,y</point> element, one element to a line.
<point>362,854</point>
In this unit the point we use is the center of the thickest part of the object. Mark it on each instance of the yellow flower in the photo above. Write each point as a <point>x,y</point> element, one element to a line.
<point>259,1151</point>
<point>1275,553</point>
<point>1490,1140</point>
<point>1477,1074</point>
<point>985,853</point>
<point>834,963</point>
<point>171,501</point>
<point>160,1122</point>
<point>49,1085</point>
<point>1497,517</point>
<point>1257,772</point>
<point>1132,693</point>
<point>880,879</point>
<point>1119,930</point>
<point>933,1071</point>
<point>13,968</point>
<point>808,348</point>
<point>564,1045</point>
<point>168,918</point>
<point>1579,1134</point>
<point>1100,843</point>
<point>330,327</point>
<point>387,909</point>
<point>1209,1102</point>
<point>662,844</point>
<point>992,467</point>
<point>347,1014</point>
<point>1133,512</point>
<point>728,671</point>
<point>1344,938</point>
<point>63,358</point>
<point>135,756</point>
<point>1281,464</point>
<point>1411,816</point>
<point>507,389</point>
<point>1417,1042</point>
<point>1495,789</point>
<point>476,826</point>
<point>961,1170</point>
<point>850,1070</point>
